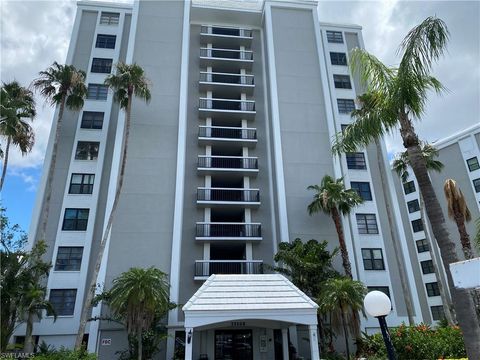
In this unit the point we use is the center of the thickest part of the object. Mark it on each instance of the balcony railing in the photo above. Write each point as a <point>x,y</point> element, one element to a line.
<point>227,162</point>
<point>225,31</point>
<point>229,54</point>
<point>205,268</point>
<point>228,195</point>
<point>225,132</point>
<point>226,78</point>
<point>227,104</point>
<point>227,230</point>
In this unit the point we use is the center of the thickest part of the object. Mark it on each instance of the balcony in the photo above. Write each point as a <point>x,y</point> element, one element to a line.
<point>233,108</point>
<point>224,36</point>
<point>205,268</point>
<point>227,164</point>
<point>226,59</point>
<point>228,231</point>
<point>228,196</point>
<point>227,83</point>
<point>224,135</point>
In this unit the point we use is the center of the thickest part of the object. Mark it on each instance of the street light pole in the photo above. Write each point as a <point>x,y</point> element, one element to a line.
<point>386,338</point>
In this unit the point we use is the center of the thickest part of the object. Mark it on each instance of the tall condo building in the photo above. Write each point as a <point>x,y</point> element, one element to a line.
<point>246,98</point>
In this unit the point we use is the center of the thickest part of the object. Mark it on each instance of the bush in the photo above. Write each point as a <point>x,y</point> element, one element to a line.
<point>416,342</point>
<point>65,354</point>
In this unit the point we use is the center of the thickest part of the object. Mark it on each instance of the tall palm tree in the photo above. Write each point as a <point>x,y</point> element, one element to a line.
<point>62,86</point>
<point>139,296</point>
<point>128,82</point>
<point>332,198</point>
<point>343,299</point>
<point>17,104</point>
<point>398,96</point>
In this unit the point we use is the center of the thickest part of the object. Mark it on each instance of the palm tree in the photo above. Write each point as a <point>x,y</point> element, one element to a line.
<point>17,104</point>
<point>458,211</point>
<point>398,96</point>
<point>62,86</point>
<point>343,299</point>
<point>129,81</point>
<point>139,296</point>
<point>332,198</point>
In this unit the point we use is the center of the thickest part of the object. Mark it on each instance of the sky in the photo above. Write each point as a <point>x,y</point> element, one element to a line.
<point>34,34</point>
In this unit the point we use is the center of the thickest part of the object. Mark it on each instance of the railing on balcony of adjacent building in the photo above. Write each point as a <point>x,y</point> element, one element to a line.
<point>227,162</point>
<point>205,268</point>
<point>227,104</point>
<point>228,194</point>
<point>226,31</point>
<point>227,230</point>
<point>226,54</point>
<point>226,78</point>
<point>225,132</point>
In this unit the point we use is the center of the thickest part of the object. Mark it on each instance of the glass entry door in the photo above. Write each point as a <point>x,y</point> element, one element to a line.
<point>233,345</point>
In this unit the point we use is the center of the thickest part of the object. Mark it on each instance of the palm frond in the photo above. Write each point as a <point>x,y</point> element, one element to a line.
<point>374,75</point>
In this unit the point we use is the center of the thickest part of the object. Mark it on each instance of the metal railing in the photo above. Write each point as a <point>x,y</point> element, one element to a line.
<point>228,194</point>
<point>225,132</point>
<point>227,162</point>
<point>227,31</point>
<point>226,104</point>
<point>226,54</point>
<point>205,268</point>
<point>229,230</point>
<point>226,78</point>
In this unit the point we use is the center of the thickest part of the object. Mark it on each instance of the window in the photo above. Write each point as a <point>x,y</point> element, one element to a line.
<point>63,301</point>
<point>101,65</point>
<point>338,58</point>
<point>87,150</point>
<point>334,37</point>
<point>367,224</point>
<point>363,189</point>
<point>342,81</point>
<point>69,259</point>
<point>422,245</point>
<point>109,18</point>
<point>417,225</point>
<point>356,161</point>
<point>383,289</point>
<point>437,312</point>
<point>81,184</point>
<point>476,185</point>
<point>92,120</point>
<point>413,206</point>
<point>344,127</point>
<point>75,219</point>
<point>105,41</point>
<point>97,92</point>
<point>345,106</point>
<point>473,164</point>
<point>432,289</point>
<point>427,267</point>
<point>409,187</point>
<point>373,259</point>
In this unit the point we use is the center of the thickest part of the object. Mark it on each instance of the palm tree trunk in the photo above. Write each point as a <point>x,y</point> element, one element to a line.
<point>341,239</point>
<point>345,334</point>
<point>48,190</point>
<point>396,246</point>
<point>28,346</point>
<point>462,301</point>
<point>464,237</point>
<point>140,345</point>
<point>5,162</point>
<point>87,306</point>
<point>446,300</point>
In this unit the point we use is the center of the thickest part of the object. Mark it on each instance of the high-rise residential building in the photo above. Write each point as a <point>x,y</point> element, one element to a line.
<point>246,99</point>
<point>460,156</point>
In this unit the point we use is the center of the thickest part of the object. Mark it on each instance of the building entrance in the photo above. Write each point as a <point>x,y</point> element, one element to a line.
<point>233,345</point>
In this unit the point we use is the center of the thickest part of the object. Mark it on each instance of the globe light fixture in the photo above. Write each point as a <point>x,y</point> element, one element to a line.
<point>378,305</point>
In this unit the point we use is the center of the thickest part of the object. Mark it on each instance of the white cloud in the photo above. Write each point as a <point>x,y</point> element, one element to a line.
<point>30,181</point>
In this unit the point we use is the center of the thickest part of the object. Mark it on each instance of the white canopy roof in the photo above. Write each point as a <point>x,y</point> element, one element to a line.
<point>234,297</point>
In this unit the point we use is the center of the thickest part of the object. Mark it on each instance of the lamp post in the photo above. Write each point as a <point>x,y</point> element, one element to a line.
<point>378,305</point>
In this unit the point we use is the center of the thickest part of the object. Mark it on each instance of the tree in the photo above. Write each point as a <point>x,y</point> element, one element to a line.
<point>62,86</point>
<point>398,96</point>
<point>129,81</point>
<point>17,104</point>
<point>139,297</point>
<point>332,198</point>
<point>343,299</point>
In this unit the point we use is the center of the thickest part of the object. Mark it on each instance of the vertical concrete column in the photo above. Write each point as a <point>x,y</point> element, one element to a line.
<point>285,343</point>
<point>312,330</point>
<point>188,343</point>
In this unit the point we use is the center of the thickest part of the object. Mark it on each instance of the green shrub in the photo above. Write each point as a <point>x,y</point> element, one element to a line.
<point>65,354</point>
<point>416,342</point>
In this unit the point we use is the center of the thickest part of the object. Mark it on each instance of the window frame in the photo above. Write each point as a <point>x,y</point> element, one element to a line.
<point>476,185</point>
<point>432,289</point>
<point>113,18</point>
<point>417,225</point>
<point>106,41</point>
<point>438,308</point>
<point>338,58</point>
<point>476,164</point>
<point>335,37</point>
<point>412,209</point>
<point>428,267</point>
<point>71,263</point>
<point>356,161</point>
<point>364,217</point>
<point>91,119</point>
<point>82,185</point>
<point>103,67</point>
<point>423,246</point>
<point>361,188</point>
<point>342,105</point>
<point>97,92</point>
<point>376,264</point>
<point>407,187</point>
<point>342,81</point>
<point>91,155</point>
<point>64,295</point>
<point>78,223</point>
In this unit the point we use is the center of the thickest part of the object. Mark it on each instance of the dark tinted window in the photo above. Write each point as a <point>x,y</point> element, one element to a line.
<point>92,120</point>
<point>105,41</point>
<point>473,164</point>
<point>75,220</point>
<point>338,58</point>
<point>422,245</point>
<point>81,184</point>
<point>476,185</point>
<point>356,161</point>
<point>63,301</point>
<point>97,92</point>
<point>69,258</point>
<point>367,224</point>
<point>413,206</point>
<point>427,267</point>
<point>101,65</point>
<point>345,106</point>
<point>87,150</point>
<point>334,37</point>
<point>363,189</point>
<point>437,312</point>
<point>373,259</point>
<point>342,81</point>
<point>409,187</point>
<point>432,289</point>
<point>417,225</point>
